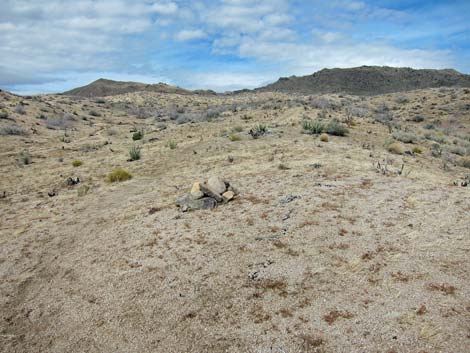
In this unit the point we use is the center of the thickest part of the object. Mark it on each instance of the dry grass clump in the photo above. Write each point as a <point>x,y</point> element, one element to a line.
<point>396,148</point>
<point>464,162</point>
<point>324,137</point>
<point>119,175</point>
<point>77,163</point>
<point>417,149</point>
<point>234,137</point>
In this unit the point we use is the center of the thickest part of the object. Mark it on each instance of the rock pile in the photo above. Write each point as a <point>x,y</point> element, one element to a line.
<point>207,195</point>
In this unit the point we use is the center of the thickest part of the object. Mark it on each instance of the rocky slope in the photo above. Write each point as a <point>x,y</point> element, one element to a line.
<point>368,80</point>
<point>103,88</point>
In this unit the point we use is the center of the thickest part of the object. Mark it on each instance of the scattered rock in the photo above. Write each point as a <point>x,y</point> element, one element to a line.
<point>217,185</point>
<point>196,192</point>
<point>71,181</point>
<point>228,195</point>
<point>187,203</point>
<point>207,195</point>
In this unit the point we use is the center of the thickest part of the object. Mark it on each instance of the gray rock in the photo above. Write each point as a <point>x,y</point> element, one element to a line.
<point>216,184</point>
<point>208,191</point>
<point>187,203</point>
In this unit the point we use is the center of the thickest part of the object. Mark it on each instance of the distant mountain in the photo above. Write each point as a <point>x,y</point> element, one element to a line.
<point>368,80</point>
<point>103,87</point>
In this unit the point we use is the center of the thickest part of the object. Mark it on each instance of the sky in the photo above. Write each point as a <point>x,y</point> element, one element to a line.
<point>54,45</point>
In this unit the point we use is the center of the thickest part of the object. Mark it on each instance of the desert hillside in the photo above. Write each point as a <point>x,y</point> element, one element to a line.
<point>103,88</point>
<point>368,80</point>
<point>348,230</point>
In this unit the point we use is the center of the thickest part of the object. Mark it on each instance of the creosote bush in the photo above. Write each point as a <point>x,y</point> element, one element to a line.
<point>119,175</point>
<point>77,163</point>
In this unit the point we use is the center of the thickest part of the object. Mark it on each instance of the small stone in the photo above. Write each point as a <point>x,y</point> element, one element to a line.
<point>208,191</point>
<point>228,195</point>
<point>196,192</point>
<point>217,185</point>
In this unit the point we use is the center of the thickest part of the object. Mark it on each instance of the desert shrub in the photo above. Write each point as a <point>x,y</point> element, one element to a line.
<point>42,116</point>
<point>313,127</point>
<point>320,103</point>
<point>402,100</point>
<point>258,130</point>
<point>396,148</point>
<point>213,113</point>
<point>172,144</point>
<point>183,119</point>
<point>138,135</point>
<point>3,114</point>
<point>336,128</point>
<point>134,153</point>
<point>234,137</point>
<point>405,137</point>
<point>63,121</point>
<point>24,158</point>
<point>77,163</point>
<point>461,151</point>
<point>417,149</point>
<point>119,175</point>
<point>435,137</point>
<point>382,108</point>
<point>464,162</point>
<point>324,138</point>
<point>100,101</point>
<point>94,113</point>
<point>173,114</point>
<point>383,117</point>
<point>417,118</point>
<point>20,109</point>
<point>12,129</point>
<point>359,112</point>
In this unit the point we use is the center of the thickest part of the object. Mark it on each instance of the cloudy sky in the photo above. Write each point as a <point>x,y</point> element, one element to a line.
<point>55,45</point>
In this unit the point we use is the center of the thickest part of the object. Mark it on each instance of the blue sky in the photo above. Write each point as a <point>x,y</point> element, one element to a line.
<point>55,45</point>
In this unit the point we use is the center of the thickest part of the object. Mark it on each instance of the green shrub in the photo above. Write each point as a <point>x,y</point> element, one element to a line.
<point>237,129</point>
<point>172,144</point>
<point>119,175</point>
<point>138,135</point>
<point>134,153</point>
<point>335,128</point>
<point>77,163</point>
<point>417,149</point>
<point>234,137</point>
<point>3,114</point>
<point>313,127</point>
<point>25,158</point>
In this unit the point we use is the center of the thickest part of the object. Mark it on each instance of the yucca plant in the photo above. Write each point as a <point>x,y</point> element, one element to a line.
<point>134,153</point>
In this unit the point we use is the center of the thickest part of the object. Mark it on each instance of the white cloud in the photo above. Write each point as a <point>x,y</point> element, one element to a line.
<point>165,8</point>
<point>190,34</point>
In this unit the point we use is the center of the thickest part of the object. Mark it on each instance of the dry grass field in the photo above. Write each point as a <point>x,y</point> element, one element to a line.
<point>355,243</point>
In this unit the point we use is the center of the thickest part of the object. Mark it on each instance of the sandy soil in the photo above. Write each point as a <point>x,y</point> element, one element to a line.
<point>320,252</point>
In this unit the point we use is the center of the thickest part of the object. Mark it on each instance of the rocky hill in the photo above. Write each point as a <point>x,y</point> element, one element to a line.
<point>103,88</point>
<point>368,80</point>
